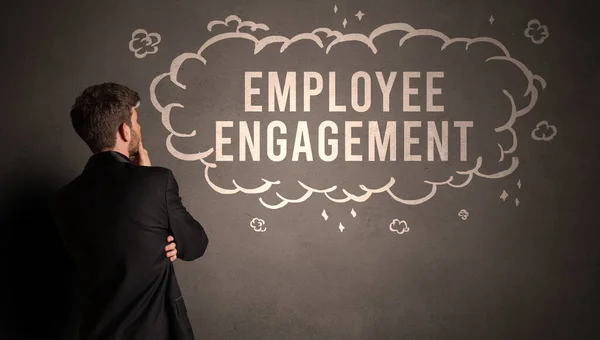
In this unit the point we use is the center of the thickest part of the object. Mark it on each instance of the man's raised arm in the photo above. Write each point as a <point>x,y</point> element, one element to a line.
<point>189,235</point>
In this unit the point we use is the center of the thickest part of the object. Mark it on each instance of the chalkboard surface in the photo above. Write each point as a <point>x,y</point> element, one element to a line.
<point>364,170</point>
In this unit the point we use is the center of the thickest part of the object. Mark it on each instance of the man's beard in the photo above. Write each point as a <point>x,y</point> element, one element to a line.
<point>134,143</point>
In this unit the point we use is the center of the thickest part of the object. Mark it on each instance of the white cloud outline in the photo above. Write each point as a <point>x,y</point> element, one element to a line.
<point>545,33</point>
<point>544,138</point>
<point>147,39</point>
<point>257,224</point>
<point>405,229</point>
<point>240,24</point>
<point>339,37</point>
<point>464,214</point>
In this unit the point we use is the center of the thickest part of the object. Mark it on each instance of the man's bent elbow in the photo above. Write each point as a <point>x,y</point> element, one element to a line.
<point>195,252</point>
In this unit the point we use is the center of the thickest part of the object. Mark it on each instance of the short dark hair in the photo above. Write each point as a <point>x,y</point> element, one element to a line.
<point>99,111</point>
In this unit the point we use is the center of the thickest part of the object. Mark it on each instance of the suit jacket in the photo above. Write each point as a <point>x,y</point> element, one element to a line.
<point>114,220</point>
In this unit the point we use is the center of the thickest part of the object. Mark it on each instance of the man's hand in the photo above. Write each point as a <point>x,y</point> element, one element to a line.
<point>170,249</point>
<point>142,158</point>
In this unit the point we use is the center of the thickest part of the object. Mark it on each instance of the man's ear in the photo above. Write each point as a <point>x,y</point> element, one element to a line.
<point>124,132</point>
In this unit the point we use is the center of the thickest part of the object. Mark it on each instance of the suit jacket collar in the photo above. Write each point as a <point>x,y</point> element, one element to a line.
<point>105,158</point>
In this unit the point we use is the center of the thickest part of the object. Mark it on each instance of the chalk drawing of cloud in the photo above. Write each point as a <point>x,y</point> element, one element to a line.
<point>464,214</point>
<point>143,43</point>
<point>536,31</point>
<point>400,227</point>
<point>543,131</point>
<point>258,225</point>
<point>240,24</point>
<point>330,40</point>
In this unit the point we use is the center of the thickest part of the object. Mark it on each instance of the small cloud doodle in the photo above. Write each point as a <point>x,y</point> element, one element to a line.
<point>258,225</point>
<point>536,31</point>
<point>464,214</point>
<point>543,131</point>
<point>396,224</point>
<point>143,43</point>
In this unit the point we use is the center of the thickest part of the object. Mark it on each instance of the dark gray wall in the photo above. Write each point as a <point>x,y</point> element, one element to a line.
<point>508,270</point>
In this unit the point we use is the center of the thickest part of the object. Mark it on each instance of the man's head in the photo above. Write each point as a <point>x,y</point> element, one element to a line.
<point>104,116</point>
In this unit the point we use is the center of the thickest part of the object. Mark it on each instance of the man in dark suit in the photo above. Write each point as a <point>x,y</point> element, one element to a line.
<point>114,219</point>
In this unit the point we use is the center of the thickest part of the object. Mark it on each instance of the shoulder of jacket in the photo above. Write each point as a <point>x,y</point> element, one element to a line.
<point>65,189</point>
<point>157,171</point>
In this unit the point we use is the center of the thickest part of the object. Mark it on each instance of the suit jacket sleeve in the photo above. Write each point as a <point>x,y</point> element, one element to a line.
<point>190,238</point>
